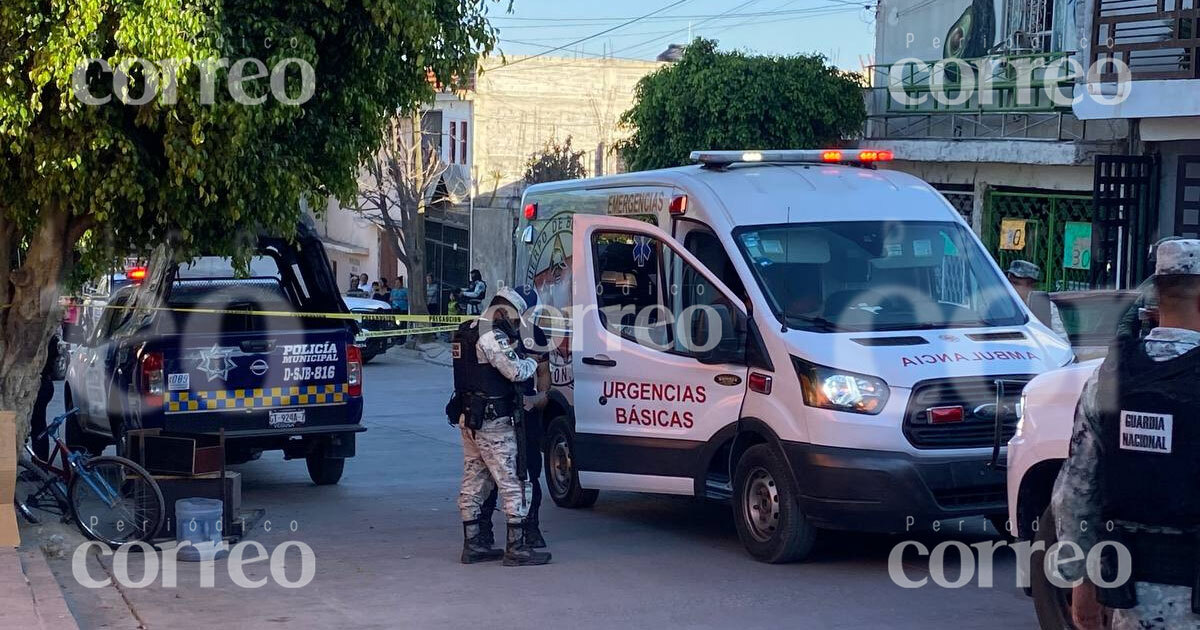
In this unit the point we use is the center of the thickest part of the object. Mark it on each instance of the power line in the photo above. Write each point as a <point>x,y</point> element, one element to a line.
<point>595,35</point>
<point>557,22</point>
<point>689,28</point>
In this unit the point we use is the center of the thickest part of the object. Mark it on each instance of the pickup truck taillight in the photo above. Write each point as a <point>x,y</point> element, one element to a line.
<point>152,377</point>
<point>354,375</point>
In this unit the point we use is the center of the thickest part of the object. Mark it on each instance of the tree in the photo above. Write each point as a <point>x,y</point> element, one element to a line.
<point>156,141</point>
<point>729,100</point>
<point>555,162</point>
<point>397,186</point>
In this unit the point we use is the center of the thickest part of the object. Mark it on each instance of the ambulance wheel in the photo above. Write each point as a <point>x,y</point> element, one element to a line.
<point>1051,603</point>
<point>562,480</point>
<point>767,508</point>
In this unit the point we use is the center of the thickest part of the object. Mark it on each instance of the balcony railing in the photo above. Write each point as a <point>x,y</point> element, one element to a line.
<point>1156,39</point>
<point>1009,97</point>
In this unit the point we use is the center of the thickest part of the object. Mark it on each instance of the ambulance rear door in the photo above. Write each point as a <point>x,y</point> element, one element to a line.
<point>659,358</point>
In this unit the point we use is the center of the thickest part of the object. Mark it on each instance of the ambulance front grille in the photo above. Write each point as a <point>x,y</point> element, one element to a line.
<point>977,397</point>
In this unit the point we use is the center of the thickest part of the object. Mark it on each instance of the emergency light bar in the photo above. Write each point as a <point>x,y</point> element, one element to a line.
<point>719,159</point>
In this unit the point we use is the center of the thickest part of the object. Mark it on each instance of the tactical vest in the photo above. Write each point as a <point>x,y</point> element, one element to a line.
<point>473,375</point>
<point>1150,435</point>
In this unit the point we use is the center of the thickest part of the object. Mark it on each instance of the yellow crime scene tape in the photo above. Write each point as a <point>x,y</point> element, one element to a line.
<point>449,322</point>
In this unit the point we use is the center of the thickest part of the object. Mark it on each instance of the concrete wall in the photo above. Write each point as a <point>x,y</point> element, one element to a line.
<point>517,109</point>
<point>492,246</point>
<point>981,176</point>
<point>351,242</point>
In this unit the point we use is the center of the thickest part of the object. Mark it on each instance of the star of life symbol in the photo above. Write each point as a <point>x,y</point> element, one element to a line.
<point>641,250</point>
<point>215,362</point>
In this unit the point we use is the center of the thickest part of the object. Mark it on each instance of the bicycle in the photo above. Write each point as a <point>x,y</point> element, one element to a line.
<point>111,499</point>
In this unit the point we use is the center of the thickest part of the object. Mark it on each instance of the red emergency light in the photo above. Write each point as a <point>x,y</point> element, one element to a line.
<point>831,156</point>
<point>945,415</point>
<point>679,204</point>
<point>530,211</point>
<point>136,274</point>
<point>872,155</point>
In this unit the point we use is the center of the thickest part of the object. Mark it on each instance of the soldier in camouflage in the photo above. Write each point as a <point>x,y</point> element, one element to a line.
<point>490,451</point>
<point>1083,490</point>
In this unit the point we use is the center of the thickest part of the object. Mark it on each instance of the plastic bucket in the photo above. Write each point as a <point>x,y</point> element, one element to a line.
<point>198,523</point>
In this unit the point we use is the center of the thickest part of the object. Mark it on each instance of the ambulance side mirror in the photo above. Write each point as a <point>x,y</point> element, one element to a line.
<point>719,334</point>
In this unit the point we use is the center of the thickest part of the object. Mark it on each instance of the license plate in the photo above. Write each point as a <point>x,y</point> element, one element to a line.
<point>286,419</point>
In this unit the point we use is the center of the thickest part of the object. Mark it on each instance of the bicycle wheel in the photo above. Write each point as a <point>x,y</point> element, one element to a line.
<point>37,491</point>
<point>115,501</point>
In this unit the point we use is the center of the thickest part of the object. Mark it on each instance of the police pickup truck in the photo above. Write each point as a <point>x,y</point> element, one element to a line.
<point>207,350</point>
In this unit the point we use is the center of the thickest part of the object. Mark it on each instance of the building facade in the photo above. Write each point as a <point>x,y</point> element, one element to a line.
<point>487,135</point>
<point>992,102</point>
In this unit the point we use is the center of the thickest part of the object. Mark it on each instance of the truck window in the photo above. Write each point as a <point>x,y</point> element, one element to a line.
<point>643,288</point>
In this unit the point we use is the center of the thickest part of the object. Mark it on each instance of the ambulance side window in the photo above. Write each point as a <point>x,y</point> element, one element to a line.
<point>629,287</point>
<point>648,294</point>
<point>707,248</point>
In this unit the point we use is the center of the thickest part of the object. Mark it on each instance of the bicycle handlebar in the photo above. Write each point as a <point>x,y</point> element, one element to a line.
<point>53,425</point>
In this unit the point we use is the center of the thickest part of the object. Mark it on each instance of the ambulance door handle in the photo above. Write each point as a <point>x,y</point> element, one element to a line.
<point>600,360</point>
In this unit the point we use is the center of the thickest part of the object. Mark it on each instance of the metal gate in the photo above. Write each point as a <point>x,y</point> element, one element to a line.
<point>1126,213</point>
<point>1043,223</point>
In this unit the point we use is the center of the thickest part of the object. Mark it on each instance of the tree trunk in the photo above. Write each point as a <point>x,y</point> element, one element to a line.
<point>32,315</point>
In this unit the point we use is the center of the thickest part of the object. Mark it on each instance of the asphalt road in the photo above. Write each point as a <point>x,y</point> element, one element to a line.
<point>386,542</point>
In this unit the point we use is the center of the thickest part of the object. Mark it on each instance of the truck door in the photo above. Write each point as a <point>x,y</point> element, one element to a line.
<point>659,360</point>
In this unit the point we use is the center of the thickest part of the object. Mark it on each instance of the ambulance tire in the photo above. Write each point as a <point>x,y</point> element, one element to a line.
<point>766,508</point>
<point>1051,603</point>
<point>562,479</point>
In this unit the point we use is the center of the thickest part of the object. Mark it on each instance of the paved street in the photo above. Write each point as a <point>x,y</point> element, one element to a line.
<point>387,541</point>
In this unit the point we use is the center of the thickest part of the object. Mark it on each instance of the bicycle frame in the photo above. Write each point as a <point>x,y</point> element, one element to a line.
<point>59,451</point>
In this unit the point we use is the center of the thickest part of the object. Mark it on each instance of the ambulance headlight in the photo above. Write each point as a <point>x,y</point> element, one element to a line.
<point>839,390</point>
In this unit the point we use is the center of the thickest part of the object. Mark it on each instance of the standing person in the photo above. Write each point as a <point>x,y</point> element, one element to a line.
<point>379,294</point>
<point>474,293</point>
<point>487,371</point>
<point>1134,463</point>
<point>37,423</point>
<point>364,284</point>
<point>433,295</point>
<point>534,344</point>
<point>1023,276</point>
<point>399,296</point>
<point>454,305</point>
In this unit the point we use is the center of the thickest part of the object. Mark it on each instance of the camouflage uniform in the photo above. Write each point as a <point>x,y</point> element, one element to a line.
<point>490,453</point>
<point>1076,500</point>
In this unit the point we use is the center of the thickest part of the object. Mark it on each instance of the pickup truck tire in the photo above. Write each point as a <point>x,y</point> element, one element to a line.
<point>75,436</point>
<point>766,508</point>
<point>562,478</point>
<point>1052,604</point>
<point>324,471</point>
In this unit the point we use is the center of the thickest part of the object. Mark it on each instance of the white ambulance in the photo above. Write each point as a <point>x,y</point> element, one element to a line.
<point>818,341</point>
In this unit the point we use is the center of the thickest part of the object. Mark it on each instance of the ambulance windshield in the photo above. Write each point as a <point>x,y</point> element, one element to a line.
<point>877,275</point>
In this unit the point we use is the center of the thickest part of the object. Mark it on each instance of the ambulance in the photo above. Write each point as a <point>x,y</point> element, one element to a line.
<point>824,344</point>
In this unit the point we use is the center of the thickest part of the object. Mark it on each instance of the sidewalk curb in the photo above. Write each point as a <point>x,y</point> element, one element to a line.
<point>34,598</point>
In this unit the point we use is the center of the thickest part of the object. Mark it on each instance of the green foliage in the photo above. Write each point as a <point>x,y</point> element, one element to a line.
<point>555,162</point>
<point>713,100</point>
<point>207,175</point>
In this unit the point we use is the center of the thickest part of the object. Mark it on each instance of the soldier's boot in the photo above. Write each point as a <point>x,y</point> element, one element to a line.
<point>487,534</point>
<point>475,549</point>
<point>533,533</point>
<point>518,552</point>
